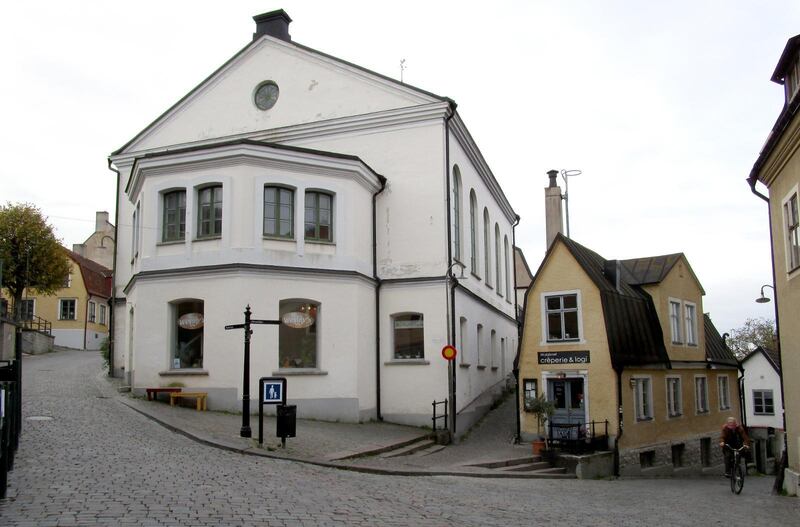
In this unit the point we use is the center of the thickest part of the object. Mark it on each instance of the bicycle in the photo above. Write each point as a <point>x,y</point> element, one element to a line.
<point>737,472</point>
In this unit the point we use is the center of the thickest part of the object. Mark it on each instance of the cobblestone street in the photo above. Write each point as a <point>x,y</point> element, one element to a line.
<point>97,462</point>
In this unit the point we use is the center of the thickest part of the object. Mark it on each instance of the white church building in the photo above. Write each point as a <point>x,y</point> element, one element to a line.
<point>335,200</point>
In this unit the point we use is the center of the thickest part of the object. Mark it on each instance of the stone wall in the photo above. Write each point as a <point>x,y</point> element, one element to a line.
<point>36,342</point>
<point>7,339</point>
<point>657,459</point>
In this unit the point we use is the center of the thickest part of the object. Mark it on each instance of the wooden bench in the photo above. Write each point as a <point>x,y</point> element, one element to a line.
<point>152,393</point>
<point>202,397</point>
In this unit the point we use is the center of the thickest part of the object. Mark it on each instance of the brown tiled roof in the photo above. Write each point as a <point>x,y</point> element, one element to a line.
<point>96,278</point>
<point>716,349</point>
<point>772,356</point>
<point>521,269</point>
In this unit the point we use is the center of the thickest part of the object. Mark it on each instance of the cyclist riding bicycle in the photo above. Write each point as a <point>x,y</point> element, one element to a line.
<point>734,435</point>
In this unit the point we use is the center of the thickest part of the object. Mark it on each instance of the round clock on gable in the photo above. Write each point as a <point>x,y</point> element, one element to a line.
<point>266,95</point>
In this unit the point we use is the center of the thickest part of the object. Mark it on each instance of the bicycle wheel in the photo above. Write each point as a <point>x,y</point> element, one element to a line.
<point>737,478</point>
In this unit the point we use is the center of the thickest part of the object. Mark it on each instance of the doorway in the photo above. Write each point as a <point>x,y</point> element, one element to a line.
<point>567,395</point>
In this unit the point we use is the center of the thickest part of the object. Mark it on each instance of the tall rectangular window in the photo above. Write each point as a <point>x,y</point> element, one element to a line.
<point>92,312</point>
<point>409,336</point>
<point>643,399</point>
<point>298,334</point>
<point>473,233</point>
<point>562,317</point>
<point>278,212</point>
<point>675,321</point>
<point>319,216</point>
<point>691,323</point>
<point>66,309</point>
<point>487,247</point>
<point>674,398</point>
<point>792,218</point>
<point>102,317</point>
<point>174,216</point>
<point>26,308</point>
<point>508,270</point>
<point>462,341</point>
<point>187,351</point>
<point>723,389</point>
<point>209,213</point>
<point>456,213</point>
<point>529,390</point>
<point>701,394</point>
<point>763,402</point>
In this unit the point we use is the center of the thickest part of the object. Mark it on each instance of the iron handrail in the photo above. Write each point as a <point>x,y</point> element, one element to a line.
<point>435,417</point>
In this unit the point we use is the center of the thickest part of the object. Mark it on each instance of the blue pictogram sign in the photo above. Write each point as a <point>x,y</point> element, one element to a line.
<point>273,390</point>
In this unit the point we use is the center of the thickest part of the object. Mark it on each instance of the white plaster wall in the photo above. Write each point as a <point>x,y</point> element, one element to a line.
<point>760,375</point>
<point>312,88</point>
<point>94,339</point>
<point>342,335</point>
<point>70,338</point>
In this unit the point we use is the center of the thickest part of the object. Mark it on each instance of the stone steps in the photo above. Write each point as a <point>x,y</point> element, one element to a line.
<point>409,449</point>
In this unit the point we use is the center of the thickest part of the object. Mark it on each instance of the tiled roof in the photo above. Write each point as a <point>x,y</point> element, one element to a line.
<point>521,269</point>
<point>772,356</point>
<point>716,349</point>
<point>96,278</point>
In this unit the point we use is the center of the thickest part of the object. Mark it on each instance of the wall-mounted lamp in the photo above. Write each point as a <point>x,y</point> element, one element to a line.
<point>763,299</point>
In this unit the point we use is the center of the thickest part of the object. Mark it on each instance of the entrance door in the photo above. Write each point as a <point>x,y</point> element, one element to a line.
<point>569,416</point>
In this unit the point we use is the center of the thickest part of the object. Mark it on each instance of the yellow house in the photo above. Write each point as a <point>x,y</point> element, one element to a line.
<point>778,167</point>
<point>623,351</point>
<point>79,311</point>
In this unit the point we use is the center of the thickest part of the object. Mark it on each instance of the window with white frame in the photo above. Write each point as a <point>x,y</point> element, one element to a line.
<point>67,281</point>
<point>723,391</point>
<point>690,311</point>
<point>67,309</point>
<point>298,334</point>
<point>478,344</point>
<point>473,233</point>
<point>674,397</point>
<point>562,317</point>
<point>409,336</point>
<point>188,319</point>
<point>135,232</point>
<point>643,398</point>
<point>456,213</point>
<point>174,216</point>
<point>701,395</point>
<point>209,212</point>
<point>462,340</point>
<point>92,312</point>
<point>497,267</point>
<point>508,270</point>
<point>102,315</point>
<point>792,219</point>
<point>763,402</point>
<point>675,321</point>
<point>278,212</point>
<point>487,247</point>
<point>493,343</point>
<point>529,392</point>
<point>27,308</point>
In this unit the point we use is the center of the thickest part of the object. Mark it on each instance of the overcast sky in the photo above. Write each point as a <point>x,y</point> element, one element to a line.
<point>664,106</point>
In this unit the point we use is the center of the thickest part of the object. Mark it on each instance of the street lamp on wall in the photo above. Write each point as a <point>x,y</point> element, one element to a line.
<point>763,299</point>
<point>450,281</point>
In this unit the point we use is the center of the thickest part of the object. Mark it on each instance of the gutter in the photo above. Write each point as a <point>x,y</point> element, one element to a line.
<point>112,300</point>
<point>451,330</point>
<point>378,414</point>
<point>752,182</point>
<point>619,423</point>
<point>515,369</point>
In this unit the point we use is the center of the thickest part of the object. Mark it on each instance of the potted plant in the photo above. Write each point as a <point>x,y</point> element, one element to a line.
<point>543,409</point>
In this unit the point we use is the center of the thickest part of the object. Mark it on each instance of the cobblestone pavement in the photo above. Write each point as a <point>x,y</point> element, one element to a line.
<point>97,462</point>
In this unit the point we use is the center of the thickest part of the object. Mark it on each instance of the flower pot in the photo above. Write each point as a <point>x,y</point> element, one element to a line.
<point>538,447</point>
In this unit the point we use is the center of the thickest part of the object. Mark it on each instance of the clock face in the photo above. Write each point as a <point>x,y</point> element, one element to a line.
<point>266,95</point>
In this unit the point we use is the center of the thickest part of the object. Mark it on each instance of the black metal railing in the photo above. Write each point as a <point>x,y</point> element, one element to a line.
<point>10,415</point>
<point>37,323</point>
<point>578,437</point>
<point>436,417</point>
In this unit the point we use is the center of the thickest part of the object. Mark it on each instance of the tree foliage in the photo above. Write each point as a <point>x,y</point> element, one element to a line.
<point>32,256</point>
<point>753,333</point>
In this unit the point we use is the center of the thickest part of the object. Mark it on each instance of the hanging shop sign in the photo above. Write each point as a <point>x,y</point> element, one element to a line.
<point>564,357</point>
<point>191,321</point>
<point>297,320</point>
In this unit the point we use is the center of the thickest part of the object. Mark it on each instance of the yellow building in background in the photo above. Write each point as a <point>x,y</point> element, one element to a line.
<point>78,313</point>
<point>623,350</point>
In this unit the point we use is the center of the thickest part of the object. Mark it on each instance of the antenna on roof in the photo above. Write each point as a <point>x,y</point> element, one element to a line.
<point>566,174</point>
<point>402,68</point>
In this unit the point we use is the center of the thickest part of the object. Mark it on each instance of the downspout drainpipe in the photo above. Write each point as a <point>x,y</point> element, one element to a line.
<point>86,320</point>
<point>752,183</point>
<point>112,301</point>
<point>515,371</point>
<point>378,414</point>
<point>619,423</point>
<point>448,283</point>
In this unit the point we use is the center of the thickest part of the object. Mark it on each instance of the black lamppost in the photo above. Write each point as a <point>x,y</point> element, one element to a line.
<point>451,280</point>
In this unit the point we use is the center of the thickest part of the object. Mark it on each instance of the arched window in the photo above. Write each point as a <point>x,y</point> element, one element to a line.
<point>462,340</point>
<point>487,247</point>
<point>409,336</point>
<point>278,211</point>
<point>473,234</point>
<point>319,216</point>
<point>209,212</point>
<point>497,268</point>
<point>174,216</point>
<point>456,213</point>
<point>297,334</point>
<point>478,344</point>
<point>493,343</point>
<point>187,343</point>
<point>507,268</point>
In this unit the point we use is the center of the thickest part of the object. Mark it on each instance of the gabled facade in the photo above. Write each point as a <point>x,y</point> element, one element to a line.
<point>99,246</point>
<point>778,168</point>
<point>625,343</point>
<point>763,405</point>
<point>78,312</point>
<point>333,199</point>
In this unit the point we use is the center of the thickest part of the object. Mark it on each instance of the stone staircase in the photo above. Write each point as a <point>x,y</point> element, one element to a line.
<point>420,448</point>
<point>528,465</point>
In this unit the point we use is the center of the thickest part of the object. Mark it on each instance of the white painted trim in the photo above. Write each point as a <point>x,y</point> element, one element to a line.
<point>556,374</point>
<point>637,403</point>
<point>727,394</point>
<point>543,316</point>
<point>785,233</point>
<point>707,405</point>
<point>680,404</point>
<point>687,322</point>
<point>681,338</point>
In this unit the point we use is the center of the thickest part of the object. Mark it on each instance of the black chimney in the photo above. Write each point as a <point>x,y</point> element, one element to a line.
<point>552,175</point>
<point>274,24</point>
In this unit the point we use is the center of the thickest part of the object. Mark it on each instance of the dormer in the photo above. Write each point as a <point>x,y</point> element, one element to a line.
<point>787,72</point>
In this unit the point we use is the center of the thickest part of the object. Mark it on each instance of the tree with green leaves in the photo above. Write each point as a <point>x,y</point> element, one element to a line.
<point>31,254</point>
<point>753,333</point>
